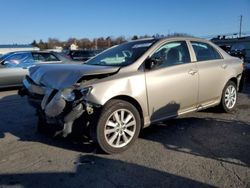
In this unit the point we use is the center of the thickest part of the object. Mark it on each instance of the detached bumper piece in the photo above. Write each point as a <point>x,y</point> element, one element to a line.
<point>58,112</point>
<point>62,123</point>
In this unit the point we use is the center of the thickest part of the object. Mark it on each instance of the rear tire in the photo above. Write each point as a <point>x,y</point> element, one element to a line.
<point>229,97</point>
<point>118,126</point>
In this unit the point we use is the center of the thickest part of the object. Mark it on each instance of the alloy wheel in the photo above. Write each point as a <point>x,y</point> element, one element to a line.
<point>230,96</point>
<point>120,128</point>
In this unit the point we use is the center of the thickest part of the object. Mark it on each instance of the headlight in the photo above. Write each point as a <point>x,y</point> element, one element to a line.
<point>71,95</point>
<point>86,91</point>
<point>68,94</point>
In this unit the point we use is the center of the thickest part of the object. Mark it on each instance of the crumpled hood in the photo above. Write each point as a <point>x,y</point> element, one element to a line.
<point>60,76</point>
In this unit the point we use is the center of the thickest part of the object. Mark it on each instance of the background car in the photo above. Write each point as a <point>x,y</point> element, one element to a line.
<point>238,50</point>
<point>241,51</point>
<point>81,55</point>
<point>226,48</point>
<point>14,65</point>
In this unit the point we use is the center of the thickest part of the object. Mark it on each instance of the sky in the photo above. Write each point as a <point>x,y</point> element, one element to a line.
<point>23,21</point>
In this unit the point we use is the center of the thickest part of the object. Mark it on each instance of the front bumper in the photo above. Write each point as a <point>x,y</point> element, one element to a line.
<point>60,113</point>
<point>62,123</point>
<point>53,109</point>
<point>34,92</point>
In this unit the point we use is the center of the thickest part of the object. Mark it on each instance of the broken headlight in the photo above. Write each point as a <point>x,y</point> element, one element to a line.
<point>71,95</point>
<point>68,94</point>
<point>86,91</point>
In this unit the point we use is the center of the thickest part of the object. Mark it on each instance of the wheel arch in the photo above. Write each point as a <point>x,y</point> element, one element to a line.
<point>233,79</point>
<point>132,101</point>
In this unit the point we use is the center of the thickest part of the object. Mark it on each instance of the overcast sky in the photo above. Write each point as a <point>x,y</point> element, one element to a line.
<point>22,21</point>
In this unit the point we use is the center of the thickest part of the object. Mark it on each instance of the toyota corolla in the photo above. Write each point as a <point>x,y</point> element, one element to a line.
<point>132,85</point>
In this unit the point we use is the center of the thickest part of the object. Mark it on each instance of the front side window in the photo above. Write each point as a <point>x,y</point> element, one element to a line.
<point>204,51</point>
<point>122,55</point>
<point>173,53</point>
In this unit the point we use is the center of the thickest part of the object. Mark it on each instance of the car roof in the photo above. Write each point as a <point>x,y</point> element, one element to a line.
<point>186,38</point>
<point>18,52</point>
<point>162,39</point>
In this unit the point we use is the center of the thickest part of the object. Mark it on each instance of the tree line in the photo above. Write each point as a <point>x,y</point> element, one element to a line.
<point>97,43</point>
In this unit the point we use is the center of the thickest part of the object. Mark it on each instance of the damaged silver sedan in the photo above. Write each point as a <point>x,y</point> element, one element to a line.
<point>130,86</point>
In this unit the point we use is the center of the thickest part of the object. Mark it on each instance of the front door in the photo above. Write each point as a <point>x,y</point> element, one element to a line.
<point>11,76</point>
<point>172,86</point>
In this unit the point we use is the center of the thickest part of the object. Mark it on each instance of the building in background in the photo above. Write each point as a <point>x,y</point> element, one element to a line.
<point>73,46</point>
<point>16,47</point>
<point>55,49</point>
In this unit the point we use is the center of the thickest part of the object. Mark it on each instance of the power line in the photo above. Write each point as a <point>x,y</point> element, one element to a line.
<point>240,25</point>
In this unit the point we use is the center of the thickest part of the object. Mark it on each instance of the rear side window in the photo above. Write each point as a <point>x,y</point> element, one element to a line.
<point>204,51</point>
<point>38,57</point>
<point>50,57</point>
<point>44,57</point>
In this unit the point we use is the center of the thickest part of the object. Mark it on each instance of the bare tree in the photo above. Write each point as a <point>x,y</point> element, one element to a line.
<point>97,43</point>
<point>53,42</point>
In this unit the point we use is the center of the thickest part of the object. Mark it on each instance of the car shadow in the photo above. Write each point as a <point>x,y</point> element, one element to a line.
<point>225,140</point>
<point>222,140</point>
<point>95,171</point>
<point>19,119</point>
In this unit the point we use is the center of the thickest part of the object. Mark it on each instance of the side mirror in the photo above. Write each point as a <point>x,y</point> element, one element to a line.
<point>5,62</point>
<point>150,63</point>
<point>2,62</point>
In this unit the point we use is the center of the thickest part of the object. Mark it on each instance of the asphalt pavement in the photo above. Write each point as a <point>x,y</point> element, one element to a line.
<point>202,149</point>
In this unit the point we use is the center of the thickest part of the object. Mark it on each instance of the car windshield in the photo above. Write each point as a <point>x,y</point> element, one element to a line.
<point>6,55</point>
<point>123,54</point>
<point>19,60</point>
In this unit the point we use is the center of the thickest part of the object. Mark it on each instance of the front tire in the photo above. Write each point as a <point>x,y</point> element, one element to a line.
<point>118,126</point>
<point>229,97</point>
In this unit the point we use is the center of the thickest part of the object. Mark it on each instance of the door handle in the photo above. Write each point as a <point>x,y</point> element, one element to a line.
<point>224,66</point>
<point>192,72</point>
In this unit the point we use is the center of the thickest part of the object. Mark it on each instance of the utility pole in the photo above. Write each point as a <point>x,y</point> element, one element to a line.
<point>240,25</point>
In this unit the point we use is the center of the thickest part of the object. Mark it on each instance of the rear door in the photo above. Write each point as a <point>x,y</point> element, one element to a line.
<point>211,72</point>
<point>172,86</point>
